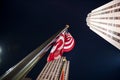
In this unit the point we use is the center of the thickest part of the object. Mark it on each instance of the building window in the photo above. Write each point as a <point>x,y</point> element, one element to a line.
<point>118,4</point>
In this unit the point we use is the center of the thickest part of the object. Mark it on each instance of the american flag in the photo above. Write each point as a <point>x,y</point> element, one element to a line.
<point>64,43</point>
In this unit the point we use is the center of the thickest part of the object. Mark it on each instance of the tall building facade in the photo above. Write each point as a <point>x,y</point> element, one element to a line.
<point>105,21</point>
<point>55,70</point>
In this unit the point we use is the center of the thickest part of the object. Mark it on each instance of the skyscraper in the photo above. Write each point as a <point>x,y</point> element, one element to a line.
<point>55,70</point>
<point>105,21</point>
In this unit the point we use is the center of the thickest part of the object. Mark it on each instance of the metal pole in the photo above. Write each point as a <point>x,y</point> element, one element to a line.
<point>21,69</point>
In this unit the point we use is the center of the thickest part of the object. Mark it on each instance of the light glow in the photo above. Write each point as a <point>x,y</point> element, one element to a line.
<point>0,54</point>
<point>0,49</point>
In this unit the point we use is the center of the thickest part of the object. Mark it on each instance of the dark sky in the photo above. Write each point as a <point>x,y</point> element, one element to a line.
<point>25,24</point>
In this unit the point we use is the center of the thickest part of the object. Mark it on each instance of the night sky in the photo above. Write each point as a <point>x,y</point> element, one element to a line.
<point>26,24</point>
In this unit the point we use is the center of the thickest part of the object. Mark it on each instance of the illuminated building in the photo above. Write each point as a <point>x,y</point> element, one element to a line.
<point>105,21</point>
<point>55,70</point>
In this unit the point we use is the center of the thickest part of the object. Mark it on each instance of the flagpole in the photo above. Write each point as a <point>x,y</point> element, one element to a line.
<point>21,69</point>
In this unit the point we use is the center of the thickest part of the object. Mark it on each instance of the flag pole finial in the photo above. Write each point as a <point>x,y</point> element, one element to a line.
<point>67,26</point>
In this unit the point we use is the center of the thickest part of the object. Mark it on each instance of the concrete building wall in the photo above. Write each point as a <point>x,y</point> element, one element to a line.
<point>105,21</point>
<point>53,70</point>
